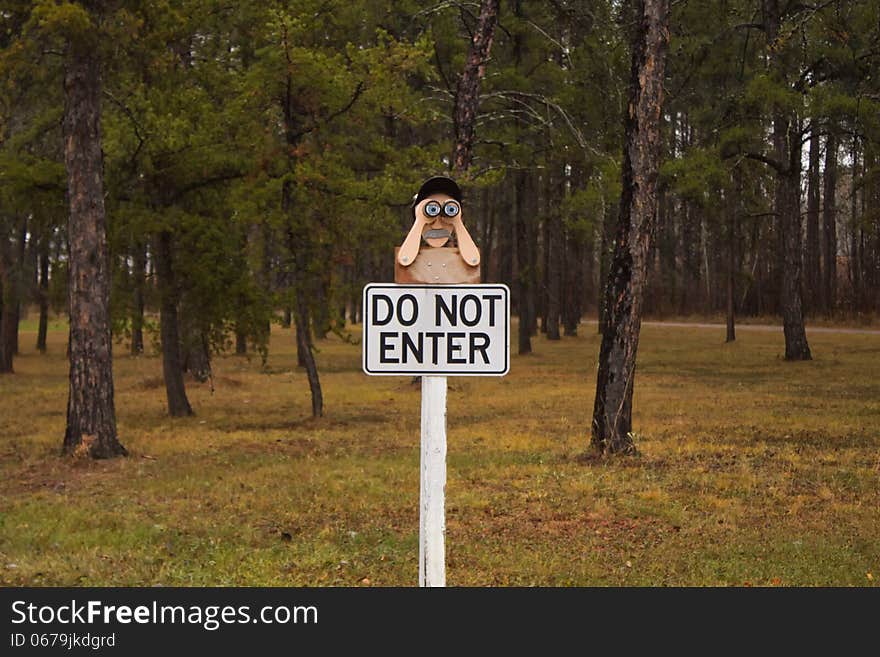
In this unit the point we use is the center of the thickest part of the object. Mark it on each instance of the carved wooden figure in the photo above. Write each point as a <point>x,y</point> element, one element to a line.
<point>426,255</point>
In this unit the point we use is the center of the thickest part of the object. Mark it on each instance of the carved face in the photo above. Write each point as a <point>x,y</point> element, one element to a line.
<point>438,213</point>
<point>437,218</point>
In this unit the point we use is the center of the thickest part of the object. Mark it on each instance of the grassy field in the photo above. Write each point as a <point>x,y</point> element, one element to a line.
<point>752,471</point>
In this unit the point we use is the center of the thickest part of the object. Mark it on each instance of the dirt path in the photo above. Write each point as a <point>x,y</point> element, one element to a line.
<point>759,327</point>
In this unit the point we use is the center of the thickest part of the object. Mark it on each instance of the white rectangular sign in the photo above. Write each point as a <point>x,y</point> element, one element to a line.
<point>455,330</point>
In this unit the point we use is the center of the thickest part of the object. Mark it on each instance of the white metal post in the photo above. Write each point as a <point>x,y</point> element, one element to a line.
<point>432,499</point>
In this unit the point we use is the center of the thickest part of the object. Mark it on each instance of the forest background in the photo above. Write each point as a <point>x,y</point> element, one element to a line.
<point>258,165</point>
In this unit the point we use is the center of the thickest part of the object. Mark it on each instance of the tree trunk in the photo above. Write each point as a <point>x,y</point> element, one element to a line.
<point>91,414</point>
<point>574,284</point>
<point>525,274</point>
<point>873,229</point>
<point>786,138</point>
<point>43,295</point>
<point>532,254</point>
<point>321,302</point>
<point>195,351</point>
<point>541,280</point>
<point>169,333</point>
<point>731,293</point>
<point>734,206</point>
<point>240,342</point>
<point>304,351</point>
<point>305,339</point>
<point>555,256</point>
<point>467,95</point>
<point>137,312</point>
<point>506,236</point>
<point>829,224</point>
<point>11,285</point>
<point>488,212</point>
<point>21,240</point>
<point>787,155</point>
<point>854,257</point>
<point>8,317</point>
<point>812,264</point>
<point>299,251</point>
<point>612,411</point>
<point>13,332</point>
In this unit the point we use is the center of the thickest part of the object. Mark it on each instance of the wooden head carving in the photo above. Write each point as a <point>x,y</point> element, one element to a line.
<point>437,218</point>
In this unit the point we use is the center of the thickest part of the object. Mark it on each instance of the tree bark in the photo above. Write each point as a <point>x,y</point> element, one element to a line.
<point>169,332</point>
<point>91,414</point>
<point>467,95</point>
<point>604,263</point>
<point>612,411</point>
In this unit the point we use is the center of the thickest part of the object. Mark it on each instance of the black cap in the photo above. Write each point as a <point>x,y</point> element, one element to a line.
<point>440,184</point>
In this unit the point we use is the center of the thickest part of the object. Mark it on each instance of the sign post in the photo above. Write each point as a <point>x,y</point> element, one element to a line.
<point>434,322</point>
<point>434,331</point>
<point>432,488</point>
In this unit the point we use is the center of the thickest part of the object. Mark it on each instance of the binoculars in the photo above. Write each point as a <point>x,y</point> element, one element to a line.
<point>447,211</point>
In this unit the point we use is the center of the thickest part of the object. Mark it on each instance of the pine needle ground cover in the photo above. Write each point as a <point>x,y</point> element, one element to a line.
<point>752,471</point>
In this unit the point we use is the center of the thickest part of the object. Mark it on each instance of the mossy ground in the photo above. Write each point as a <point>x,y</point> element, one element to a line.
<point>751,471</point>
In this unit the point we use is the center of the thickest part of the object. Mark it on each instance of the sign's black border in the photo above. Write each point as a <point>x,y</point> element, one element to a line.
<point>395,286</point>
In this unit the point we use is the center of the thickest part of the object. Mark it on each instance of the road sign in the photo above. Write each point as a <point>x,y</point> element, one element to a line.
<point>455,330</point>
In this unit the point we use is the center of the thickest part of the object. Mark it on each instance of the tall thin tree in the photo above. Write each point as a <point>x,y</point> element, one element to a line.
<point>624,291</point>
<point>786,162</point>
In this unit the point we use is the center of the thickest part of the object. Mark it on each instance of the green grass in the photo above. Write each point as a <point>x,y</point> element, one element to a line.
<point>752,471</point>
